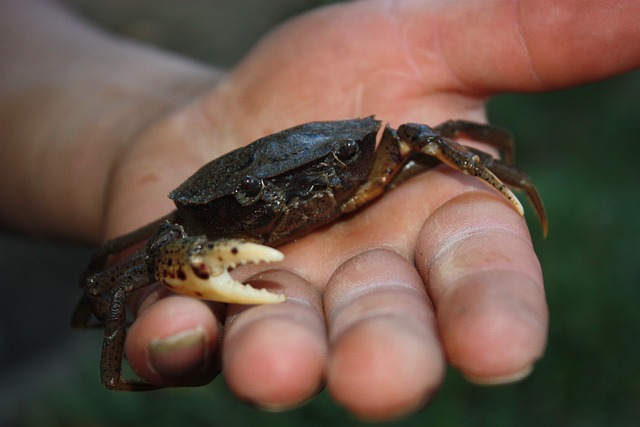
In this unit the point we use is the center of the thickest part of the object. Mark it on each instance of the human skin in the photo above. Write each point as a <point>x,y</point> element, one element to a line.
<point>439,271</point>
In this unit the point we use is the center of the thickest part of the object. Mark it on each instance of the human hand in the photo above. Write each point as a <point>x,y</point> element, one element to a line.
<point>437,271</point>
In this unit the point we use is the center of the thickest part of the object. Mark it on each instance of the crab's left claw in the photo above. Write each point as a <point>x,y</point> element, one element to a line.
<point>200,269</point>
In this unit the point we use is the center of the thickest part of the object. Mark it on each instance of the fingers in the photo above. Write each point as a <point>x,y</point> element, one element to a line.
<point>386,360</point>
<point>374,337</point>
<point>274,355</point>
<point>484,278</point>
<point>380,356</point>
<point>175,340</point>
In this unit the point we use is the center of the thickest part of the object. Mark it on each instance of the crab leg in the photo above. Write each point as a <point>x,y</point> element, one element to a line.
<point>481,132</point>
<point>397,150</point>
<point>468,162</point>
<point>515,178</point>
<point>199,268</point>
<point>390,158</point>
<point>111,313</point>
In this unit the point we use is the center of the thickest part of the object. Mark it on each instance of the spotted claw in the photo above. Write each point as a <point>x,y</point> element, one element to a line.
<point>201,270</point>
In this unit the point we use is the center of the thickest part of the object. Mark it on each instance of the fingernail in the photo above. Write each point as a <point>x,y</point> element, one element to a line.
<point>277,408</point>
<point>501,379</point>
<point>180,354</point>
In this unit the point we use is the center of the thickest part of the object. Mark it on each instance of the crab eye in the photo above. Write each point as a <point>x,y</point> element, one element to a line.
<point>250,186</point>
<point>346,150</point>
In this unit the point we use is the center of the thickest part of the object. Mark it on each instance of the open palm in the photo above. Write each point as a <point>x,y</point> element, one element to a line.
<point>440,270</point>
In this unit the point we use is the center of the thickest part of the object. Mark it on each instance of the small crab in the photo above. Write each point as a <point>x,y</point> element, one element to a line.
<point>235,209</point>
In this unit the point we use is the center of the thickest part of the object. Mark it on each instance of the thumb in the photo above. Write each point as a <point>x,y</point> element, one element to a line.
<point>539,45</point>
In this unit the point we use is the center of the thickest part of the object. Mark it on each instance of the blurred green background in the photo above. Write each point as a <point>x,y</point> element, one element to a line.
<point>581,146</point>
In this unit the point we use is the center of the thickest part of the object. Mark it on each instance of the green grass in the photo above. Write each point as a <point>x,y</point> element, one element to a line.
<point>582,147</point>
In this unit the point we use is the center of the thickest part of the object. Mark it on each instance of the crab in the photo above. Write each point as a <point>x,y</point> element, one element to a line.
<point>238,207</point>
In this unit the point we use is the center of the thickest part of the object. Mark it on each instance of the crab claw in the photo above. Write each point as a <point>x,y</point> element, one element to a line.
<point>201,270</point>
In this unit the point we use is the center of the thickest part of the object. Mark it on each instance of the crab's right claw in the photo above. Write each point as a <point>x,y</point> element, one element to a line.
<point>201,270</point>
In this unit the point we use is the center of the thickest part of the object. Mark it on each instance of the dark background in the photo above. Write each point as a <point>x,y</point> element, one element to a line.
<point>582,146</point>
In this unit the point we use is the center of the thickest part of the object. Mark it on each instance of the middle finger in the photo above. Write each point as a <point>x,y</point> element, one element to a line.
<point>386,359</point>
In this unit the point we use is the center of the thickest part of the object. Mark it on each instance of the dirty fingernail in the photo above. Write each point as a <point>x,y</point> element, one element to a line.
<point>179,354</point>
